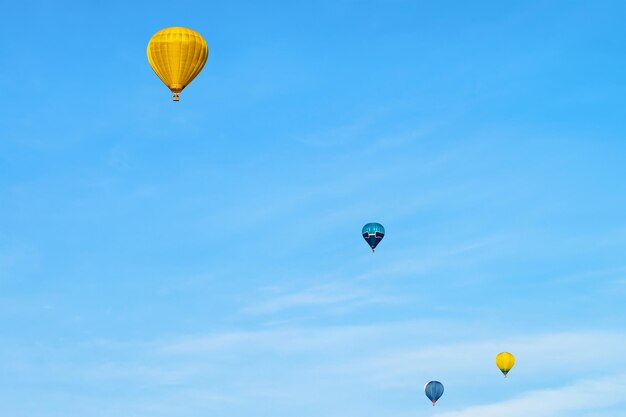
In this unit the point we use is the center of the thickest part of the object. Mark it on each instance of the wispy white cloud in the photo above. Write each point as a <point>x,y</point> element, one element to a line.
<point>393,351</point>
<point>430,259</point>
<point>560,353</point>
<point>331,339</point>
<point>338,296</point>
<point>351,288</point>
<point>340,364</point>
<point>583,399</point>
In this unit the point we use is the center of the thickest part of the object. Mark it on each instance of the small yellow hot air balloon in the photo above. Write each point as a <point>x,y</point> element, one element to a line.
<point>177,55</point>
<point>505,361</point>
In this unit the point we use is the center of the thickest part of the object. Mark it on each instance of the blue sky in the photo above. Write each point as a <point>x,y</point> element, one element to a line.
<point>204,257</point>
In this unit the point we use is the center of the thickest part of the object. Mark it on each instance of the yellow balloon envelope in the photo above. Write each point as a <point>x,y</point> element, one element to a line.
<point>505,361</point>
<point>177,55</point>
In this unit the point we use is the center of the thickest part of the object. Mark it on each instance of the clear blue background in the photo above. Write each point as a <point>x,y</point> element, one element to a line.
<point>204,257</point>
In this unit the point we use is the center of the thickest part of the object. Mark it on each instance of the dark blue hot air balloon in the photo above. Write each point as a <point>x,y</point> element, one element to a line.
<point>373,233</point>
<point>434,391</point>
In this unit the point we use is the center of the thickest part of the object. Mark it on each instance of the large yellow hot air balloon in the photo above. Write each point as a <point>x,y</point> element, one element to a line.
<point>177,55</point>
<point>505,361</point>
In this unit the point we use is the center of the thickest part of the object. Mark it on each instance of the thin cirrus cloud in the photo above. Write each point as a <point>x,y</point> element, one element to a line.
<point>397,357</point>
<point>390,358</point>
<point>360,289</point>
<point>396,364</point>
<point>396,348</point>
<point>346,297</point>
<point>296,363</point>
<point>589,398</point>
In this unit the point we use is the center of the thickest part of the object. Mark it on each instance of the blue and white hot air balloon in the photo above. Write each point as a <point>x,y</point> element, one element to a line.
<point>373,233</point>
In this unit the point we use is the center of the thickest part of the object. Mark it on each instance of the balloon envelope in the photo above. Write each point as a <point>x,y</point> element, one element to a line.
<point>433,390</point>
<point>373,233</point>
<point>505,361</point>
<point>177,55</point>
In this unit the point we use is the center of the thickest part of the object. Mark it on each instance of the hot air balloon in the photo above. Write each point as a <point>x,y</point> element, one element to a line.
<point>434,391</point>
<point>373,233</point>
<point>177,55</point>
<point>505,361</point>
